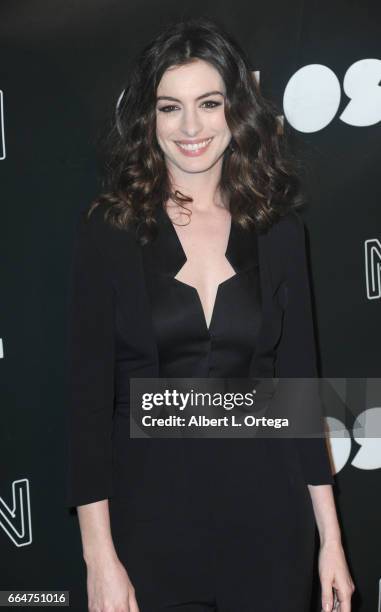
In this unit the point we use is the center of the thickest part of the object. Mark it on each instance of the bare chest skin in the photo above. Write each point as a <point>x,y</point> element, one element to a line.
<point>204,241</point>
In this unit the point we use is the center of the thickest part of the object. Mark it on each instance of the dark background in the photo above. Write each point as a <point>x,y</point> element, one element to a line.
<point>63,66</point>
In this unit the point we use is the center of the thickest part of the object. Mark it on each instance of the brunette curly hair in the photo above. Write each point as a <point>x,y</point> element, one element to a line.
<point>259,175</point>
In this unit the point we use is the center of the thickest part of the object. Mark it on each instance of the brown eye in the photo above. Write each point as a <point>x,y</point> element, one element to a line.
<point>170,107</point>
<point>212,102</point>
<point>167,109</point>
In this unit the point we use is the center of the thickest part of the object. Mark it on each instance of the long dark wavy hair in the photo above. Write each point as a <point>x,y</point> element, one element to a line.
<point>259,176</point>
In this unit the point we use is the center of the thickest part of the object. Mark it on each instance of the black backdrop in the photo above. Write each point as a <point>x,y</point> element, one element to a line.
<point>62,68</point>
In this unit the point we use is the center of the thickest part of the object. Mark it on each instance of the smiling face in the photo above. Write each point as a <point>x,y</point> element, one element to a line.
<point>191,128</point>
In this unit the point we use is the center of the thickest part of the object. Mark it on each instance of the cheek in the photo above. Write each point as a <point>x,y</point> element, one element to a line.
<point>161,128</point>
<point>218,122</point>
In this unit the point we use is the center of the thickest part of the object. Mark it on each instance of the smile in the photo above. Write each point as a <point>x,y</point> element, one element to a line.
<point>194,148</point>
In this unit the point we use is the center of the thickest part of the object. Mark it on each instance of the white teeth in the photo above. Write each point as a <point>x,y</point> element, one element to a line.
<point>194,147</point>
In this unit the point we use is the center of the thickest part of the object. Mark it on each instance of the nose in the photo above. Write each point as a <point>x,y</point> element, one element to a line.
<point>191,123</point>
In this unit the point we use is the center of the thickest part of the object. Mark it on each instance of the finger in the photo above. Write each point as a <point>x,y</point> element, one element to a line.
<point>133,603</point>
<point>326,596</point>
<point>345,603</point>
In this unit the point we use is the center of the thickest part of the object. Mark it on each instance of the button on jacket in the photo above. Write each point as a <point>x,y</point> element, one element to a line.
<point>129,318</point>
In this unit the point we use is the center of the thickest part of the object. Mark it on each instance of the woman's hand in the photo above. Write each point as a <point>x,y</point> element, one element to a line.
<point>334,573</point>
<point>109,588</point>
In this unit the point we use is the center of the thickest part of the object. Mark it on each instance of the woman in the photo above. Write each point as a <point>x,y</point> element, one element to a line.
<point>192,264</point>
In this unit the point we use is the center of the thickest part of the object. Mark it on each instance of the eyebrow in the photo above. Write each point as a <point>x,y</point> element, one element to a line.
<point>205,95</point>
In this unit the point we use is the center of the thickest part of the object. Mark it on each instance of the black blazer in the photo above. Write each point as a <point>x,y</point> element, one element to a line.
<point>110,339</point>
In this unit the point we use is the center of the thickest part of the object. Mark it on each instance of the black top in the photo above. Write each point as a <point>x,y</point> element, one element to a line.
<point>129,317</point>
<point>187,346</point>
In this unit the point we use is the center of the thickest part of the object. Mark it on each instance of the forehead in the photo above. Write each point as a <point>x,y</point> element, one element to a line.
<point>190,80</point>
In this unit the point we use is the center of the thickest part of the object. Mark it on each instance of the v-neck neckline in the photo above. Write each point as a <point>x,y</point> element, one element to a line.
<point>169,255</point>
<point>227,255</point>
<point>165,256</point>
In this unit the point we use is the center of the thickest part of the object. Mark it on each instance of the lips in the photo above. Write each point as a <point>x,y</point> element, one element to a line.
<point>193,147</point>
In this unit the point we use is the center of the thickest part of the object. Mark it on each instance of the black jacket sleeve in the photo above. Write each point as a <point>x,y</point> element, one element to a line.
<point>296,353</point>
<point>90,371</point>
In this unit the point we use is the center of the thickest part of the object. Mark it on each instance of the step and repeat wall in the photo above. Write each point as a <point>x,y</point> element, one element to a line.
<point>63,66</point>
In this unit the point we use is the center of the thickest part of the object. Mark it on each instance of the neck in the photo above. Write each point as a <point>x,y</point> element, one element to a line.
<point>202,187</point>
